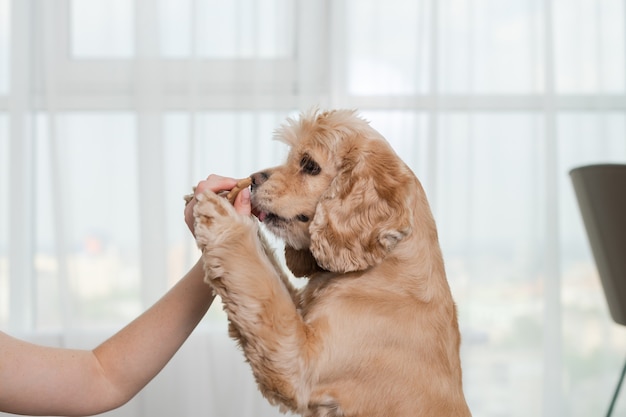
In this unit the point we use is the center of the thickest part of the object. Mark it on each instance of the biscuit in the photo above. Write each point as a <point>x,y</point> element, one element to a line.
<point>241,184</point>
<point>230,195</point>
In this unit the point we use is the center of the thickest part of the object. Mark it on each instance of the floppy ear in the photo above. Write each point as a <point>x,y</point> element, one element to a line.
<point>301,262</point>
<point>365,212</point>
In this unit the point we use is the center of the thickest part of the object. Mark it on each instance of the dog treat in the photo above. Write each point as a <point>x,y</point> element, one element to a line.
<point>241,184</point>
<point>230,195</point>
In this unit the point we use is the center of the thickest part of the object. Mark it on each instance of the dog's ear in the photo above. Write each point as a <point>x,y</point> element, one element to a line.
<point>301,262</point>
<point>366,211</point>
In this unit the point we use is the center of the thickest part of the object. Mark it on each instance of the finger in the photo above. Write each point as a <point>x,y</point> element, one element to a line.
<point>188,213</point>
<point>242,202</point>
<point>215,183</point>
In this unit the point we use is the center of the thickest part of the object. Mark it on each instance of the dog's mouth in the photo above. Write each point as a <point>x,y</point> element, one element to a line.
<point>269,218</point>
<point>274,219</point>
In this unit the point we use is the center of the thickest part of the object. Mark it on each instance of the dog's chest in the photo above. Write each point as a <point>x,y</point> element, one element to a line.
<point>322,289</point>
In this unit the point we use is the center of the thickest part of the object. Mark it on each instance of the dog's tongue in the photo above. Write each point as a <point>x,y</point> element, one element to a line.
<point>261,215</point>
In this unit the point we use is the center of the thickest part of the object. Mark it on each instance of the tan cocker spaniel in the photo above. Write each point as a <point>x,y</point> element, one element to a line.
<point>374,332</point>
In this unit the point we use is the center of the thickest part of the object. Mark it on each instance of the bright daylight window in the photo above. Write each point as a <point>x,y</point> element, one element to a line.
<point>214,29</point>
<point>126,105</point>
<point>227,30</point>
<point>97,233</point>
<point>4,221</point>
<point>4,46</point>
<point>4,165</point>
<point>102,29</point>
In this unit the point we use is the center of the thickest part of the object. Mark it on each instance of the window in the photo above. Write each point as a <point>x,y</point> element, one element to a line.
<point>87,243</point>
<point>4,46</point>
<point>4,222</point>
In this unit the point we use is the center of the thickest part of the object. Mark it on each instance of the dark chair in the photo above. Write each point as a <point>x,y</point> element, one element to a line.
<point>601,194</point>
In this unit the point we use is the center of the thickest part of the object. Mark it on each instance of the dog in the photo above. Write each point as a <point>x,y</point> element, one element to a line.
<point>374,331</point>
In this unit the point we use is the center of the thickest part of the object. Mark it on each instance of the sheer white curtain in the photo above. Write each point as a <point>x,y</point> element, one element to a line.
<point>111,109</point>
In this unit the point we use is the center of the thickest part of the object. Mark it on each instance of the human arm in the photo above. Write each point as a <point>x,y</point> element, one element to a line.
<point>39,380</point>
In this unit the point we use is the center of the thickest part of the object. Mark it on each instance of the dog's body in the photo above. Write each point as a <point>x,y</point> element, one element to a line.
<point>374,332</point>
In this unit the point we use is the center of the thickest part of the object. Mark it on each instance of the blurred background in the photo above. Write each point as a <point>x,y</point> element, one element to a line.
<point>110,110</point>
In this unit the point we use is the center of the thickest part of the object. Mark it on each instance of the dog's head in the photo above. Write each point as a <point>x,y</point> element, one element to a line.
<point>343,199</point>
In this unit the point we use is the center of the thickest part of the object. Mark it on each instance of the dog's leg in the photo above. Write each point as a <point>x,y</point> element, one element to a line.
<point>271,255</point>
<point>260,307</point>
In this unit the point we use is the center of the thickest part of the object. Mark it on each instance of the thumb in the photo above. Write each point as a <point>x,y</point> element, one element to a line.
<point>242,202</point>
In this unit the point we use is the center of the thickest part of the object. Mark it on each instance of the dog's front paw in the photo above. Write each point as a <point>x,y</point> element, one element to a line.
<point>218,227</point>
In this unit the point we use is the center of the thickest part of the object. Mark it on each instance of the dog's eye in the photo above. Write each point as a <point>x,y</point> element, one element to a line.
<point>303,218</point>
<point>309,166</point>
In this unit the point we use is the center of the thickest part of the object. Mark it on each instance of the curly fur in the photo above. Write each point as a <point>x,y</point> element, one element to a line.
<point>374,332</point>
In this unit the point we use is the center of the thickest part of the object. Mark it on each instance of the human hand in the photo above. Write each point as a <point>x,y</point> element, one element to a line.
<point>217,183</point>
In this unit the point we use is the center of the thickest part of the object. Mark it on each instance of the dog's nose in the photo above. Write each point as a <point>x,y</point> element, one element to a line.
<point>259,178</point>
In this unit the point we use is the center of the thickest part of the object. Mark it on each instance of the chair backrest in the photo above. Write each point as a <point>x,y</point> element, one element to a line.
<point>601,194</point>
